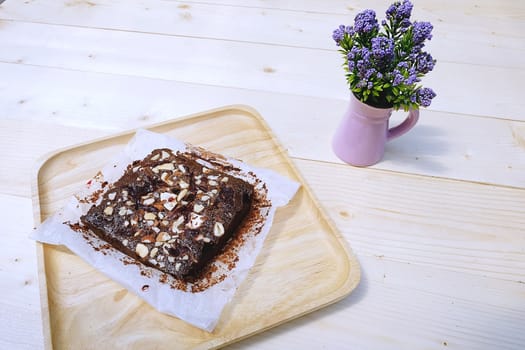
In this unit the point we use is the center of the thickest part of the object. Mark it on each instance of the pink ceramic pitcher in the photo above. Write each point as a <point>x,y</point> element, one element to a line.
<point>361,137</point>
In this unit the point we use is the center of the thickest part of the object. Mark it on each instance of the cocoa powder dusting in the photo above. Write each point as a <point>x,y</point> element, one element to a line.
<point>211,274</point>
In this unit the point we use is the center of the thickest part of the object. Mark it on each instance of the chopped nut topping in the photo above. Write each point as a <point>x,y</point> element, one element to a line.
<point>206,239</point>
<point>170,205</point>
<point>154,252</point>
<point>183,184</point>
<point>165,166</point>
<point>195,221</point>
<point>218,229</point>
<point>108,210</point>
<point>112,196</point>
<point>150,216</point>
<point>165,155</point>
<point>182,194</point>
<point>166,178</point>
<point>149,201</point>
<point>171,259</point>
<point>141,250</point>
<point>182,168</point>
<point>198,208</point>
<point>147,239</point>
<point>177,223</point>
<point>125,243</point>
<point>213,183</point>
<point>177,266</point>
<point>224,179</point>
<point>185,257</point>
<point>122,211</point>
<point>168,196</point>
<point>163,237</point>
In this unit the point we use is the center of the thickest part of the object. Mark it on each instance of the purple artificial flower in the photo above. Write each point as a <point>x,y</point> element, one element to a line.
<point>369,72</point>
<point>412,76</point>
<point>421,31</point>
<point>424,63</point>
<point>339,34</point>
<point>398,78</point>
<point>366,22</point>
<point>425,96</point>
<point>402,65</point>
<point>400,13</point>
<point>383,48</point>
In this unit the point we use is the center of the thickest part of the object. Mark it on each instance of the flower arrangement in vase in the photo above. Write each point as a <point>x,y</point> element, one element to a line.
<point>384,64</point>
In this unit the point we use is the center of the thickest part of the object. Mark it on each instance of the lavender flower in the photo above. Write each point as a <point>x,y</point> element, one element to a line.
<point>412,76</point>
<point>366,22</point>
<point>338,34</point>
<point>421,31</point>
<point>424,63</point>
<point>384,64</point>
<point>400,12</point>
<point>398,78</point>
<point>383,49</point>
<point>425,96</point>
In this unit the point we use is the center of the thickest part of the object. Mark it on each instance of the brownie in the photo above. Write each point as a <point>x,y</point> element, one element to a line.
<point>171,212</point>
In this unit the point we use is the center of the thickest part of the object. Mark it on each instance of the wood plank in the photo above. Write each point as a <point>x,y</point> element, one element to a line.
<point>482,8</point>
<point>244,65</point>
<point>20,302</point>
<point>488,35</point>
<point>442,144</point>
<point>454,225</point>
<point>401,306</point>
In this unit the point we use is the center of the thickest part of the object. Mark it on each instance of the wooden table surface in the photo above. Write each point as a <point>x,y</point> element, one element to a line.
<point>438,226</point>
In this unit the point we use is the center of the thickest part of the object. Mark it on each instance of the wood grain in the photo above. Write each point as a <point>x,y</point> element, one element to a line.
<point>281,286</point>
<point>454,225</point>
<point>304,25</point>
<point>290,70</point>
<point>442,144</point>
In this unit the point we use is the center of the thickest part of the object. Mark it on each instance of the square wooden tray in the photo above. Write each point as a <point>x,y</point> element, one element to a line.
<point>304,265</point>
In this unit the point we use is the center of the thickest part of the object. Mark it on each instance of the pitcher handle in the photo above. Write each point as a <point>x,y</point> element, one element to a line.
<point>407,124</point>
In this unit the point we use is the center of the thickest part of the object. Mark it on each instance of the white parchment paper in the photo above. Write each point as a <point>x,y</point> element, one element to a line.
<point>202,309</point>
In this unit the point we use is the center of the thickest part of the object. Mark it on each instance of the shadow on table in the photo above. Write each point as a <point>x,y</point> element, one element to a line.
<point>424,147</point>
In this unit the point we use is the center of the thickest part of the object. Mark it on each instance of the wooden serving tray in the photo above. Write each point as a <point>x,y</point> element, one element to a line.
<point>304,265</point>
